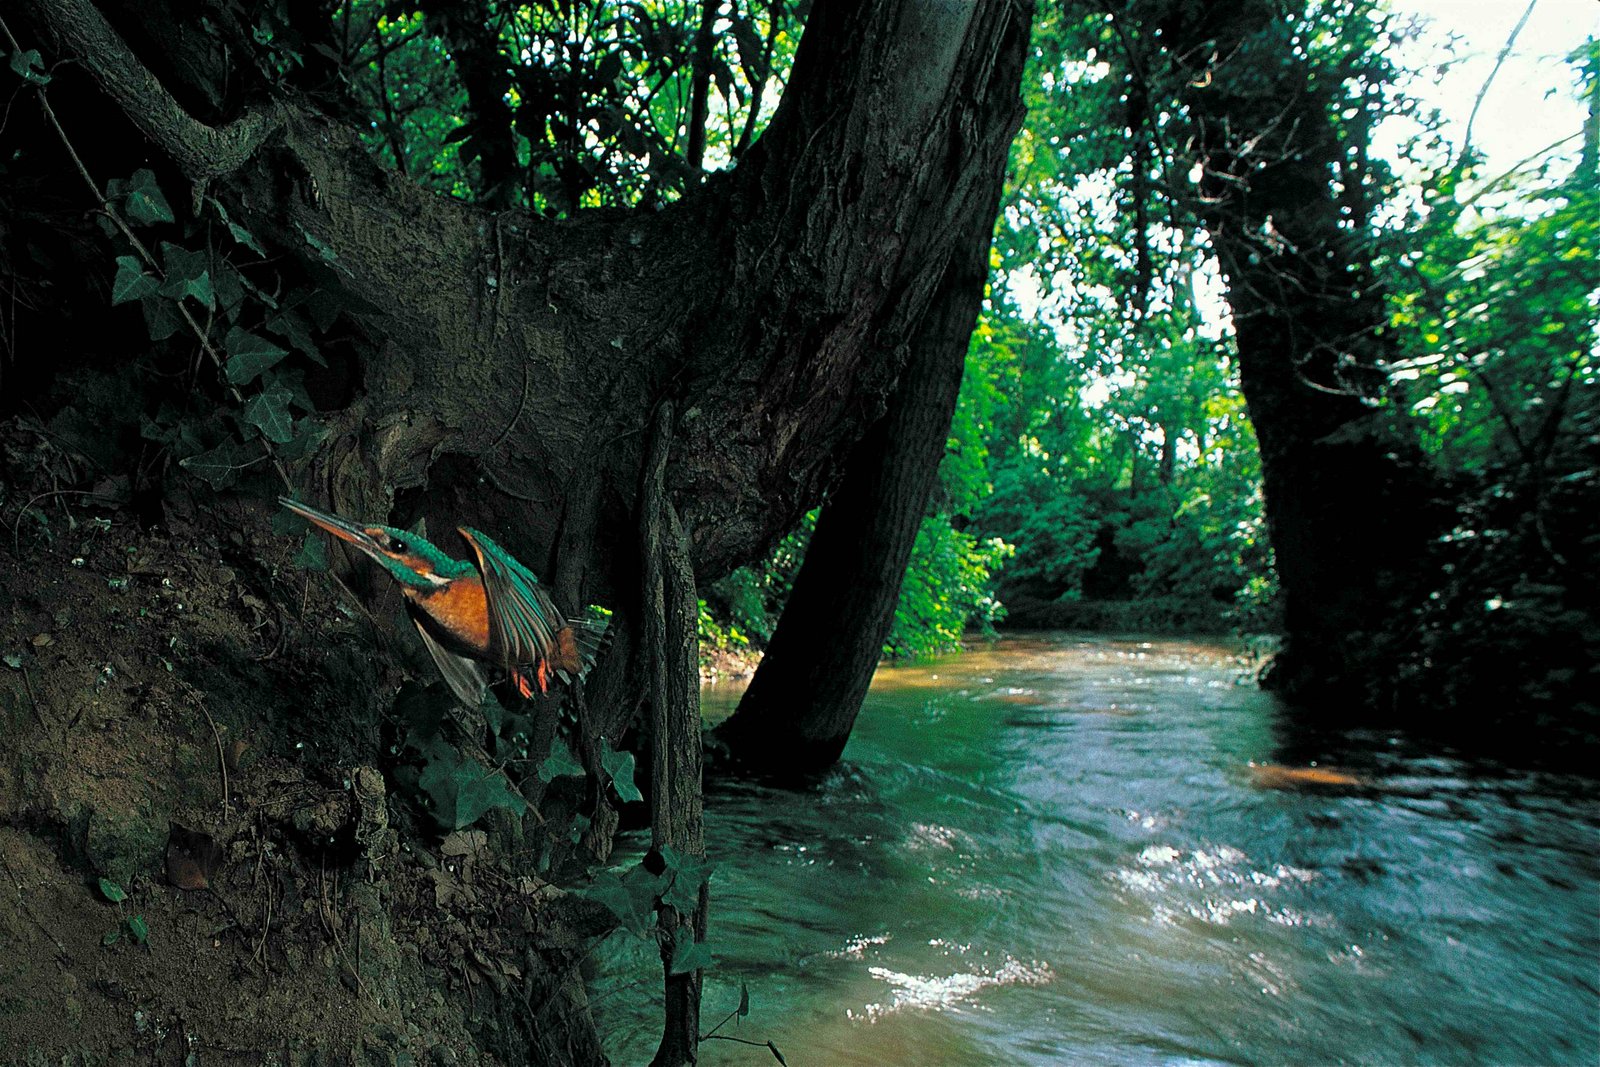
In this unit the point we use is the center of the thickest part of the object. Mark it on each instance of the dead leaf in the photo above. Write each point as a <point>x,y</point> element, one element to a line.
<point>464,843</point>
<point>192,858</point>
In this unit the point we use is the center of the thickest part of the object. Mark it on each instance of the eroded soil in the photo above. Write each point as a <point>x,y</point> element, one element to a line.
<point>189,719</point>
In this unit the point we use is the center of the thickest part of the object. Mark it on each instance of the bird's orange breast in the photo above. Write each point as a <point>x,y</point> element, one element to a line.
<point>460,609</point>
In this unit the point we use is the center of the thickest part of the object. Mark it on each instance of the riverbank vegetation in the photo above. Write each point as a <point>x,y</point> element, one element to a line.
<point>1103,471</point>
<point>829,330</point>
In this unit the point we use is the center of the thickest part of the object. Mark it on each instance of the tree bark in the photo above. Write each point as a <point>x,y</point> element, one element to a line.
<point>1308,318</point>
<point>802,703</point>
<point>776,300</point>
<point>672,647</point>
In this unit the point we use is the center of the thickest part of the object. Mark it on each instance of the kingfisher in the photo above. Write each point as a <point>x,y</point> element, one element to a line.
<point>491,610</point>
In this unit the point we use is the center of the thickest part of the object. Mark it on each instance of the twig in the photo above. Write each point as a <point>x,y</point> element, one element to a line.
<point>222,761</point>
<point>1483,90</point>
<point>16,525</point>
<point>769,1046</point>
<point>521,403</point>
<point>37,714</point>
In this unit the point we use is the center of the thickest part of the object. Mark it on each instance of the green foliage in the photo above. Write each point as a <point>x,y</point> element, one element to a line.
<point>635,895</point>
<point>946,586</point>
<point>268,411</point>
<point>313,555</point>
<point>741,610</point>
<point>463,790</point>
<point>560,763</point>
<point>144,201</point>
<point>1493,297</point>
<point>131,283</point>
<point>1117,456</point>
<point>689,955</point>
<point>715,634</point>
<point>577,105</point>
<point>192,290</point>
<point>619,769</point>
<point>249,355</point>
<point>29,67</point>
<point>631,897</point>
<point>1498,327</point>
<point>1051,529</point>
<point>135,925</point>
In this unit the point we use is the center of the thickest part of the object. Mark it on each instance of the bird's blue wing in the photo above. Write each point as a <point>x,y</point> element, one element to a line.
<point>523,620</point>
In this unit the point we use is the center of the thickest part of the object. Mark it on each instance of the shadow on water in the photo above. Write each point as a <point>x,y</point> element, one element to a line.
<point>1093,850</point>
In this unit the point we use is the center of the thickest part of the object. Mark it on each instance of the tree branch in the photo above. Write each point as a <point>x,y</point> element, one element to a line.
<point>203,152</point>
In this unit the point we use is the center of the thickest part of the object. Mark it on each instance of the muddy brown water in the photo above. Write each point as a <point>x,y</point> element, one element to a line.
<point>1068,850</point>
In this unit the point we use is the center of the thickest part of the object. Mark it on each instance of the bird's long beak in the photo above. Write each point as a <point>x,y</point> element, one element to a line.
<point>343,529</point>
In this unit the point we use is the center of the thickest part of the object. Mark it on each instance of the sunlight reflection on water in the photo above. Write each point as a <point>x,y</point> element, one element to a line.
<point>1086,850</point>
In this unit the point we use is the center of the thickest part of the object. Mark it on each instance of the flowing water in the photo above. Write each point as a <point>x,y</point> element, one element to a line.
<point>1098,851</point>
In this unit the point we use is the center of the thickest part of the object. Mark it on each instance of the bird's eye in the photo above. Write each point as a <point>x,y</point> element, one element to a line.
<point>396,545</point>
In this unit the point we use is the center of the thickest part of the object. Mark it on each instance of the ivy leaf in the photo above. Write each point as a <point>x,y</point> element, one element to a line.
<point>110,937</point>
<point>619,765</point>
<point>221,465</point>
<point>259,293</point>
<point>131,283</point>
<point>188,274</point>
<point>249,355</point>
<point>240,234</point>
<point>145,202</point>
<point>112,891</point>
<point>631,898</point>
<point>321,247</point>
<point>198,287</point>
<point>690,955</point>
<point>464,790</point>
<point>308,434</point>
<point>139,929</point>
<point>246,238</point>
<point>295,381</point>
<point>161,317</point>
<point>560,763</point>
<point>268,412</point>
<point>29,67</point>
<point>313,556</point>
<point>292,327</point>
<point>229,285</point>
<point>684,893</point>
<point>607,890</point>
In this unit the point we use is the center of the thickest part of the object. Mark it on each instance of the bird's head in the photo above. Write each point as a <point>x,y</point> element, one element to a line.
<point>409,559</point>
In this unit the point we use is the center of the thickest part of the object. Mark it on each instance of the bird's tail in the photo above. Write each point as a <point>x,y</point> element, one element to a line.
<point>580,642</point>
<point>592,634</point>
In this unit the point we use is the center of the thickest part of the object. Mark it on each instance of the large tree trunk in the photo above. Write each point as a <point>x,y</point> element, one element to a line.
<point>1346,499</point>
<point>797,714</point>
<point>777,300</point>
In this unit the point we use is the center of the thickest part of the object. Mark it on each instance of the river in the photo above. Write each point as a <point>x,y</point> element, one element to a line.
<point>1066,850</point>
